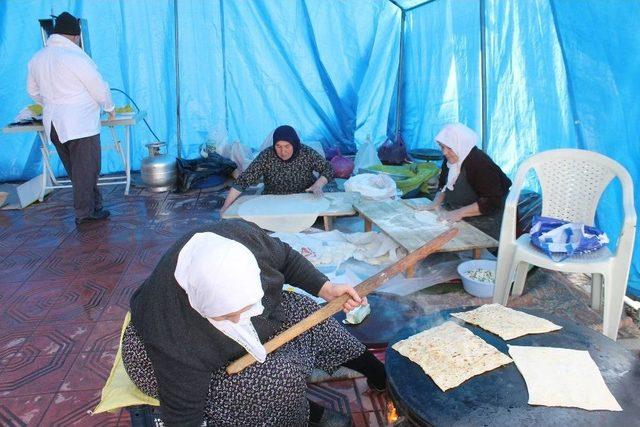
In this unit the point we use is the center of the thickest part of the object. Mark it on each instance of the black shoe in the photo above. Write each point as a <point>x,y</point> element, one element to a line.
<point>375,388</point>
<point>331,418</point>
<point>95,216</point>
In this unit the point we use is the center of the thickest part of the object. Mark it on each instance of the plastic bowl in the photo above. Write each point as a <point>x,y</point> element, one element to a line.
<point>475,287</point>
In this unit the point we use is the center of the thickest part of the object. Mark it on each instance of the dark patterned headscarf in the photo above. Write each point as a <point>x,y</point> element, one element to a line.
<point>288,134</point>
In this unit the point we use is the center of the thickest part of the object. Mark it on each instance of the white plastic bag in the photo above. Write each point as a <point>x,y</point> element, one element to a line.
<point>240,154</point>
<point>366,156</point>
<point>215,142</point>
<point>371,186</point>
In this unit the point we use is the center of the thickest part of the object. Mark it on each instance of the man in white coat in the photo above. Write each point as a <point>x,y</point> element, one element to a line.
<point>66,82</point>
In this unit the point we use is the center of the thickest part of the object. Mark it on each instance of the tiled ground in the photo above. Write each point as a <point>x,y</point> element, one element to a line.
<point>64,292</point>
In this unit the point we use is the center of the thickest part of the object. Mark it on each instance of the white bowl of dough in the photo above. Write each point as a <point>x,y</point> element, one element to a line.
<point>478,277</point>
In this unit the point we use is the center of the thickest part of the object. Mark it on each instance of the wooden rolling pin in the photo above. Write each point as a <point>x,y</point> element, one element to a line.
<point>363,289</point>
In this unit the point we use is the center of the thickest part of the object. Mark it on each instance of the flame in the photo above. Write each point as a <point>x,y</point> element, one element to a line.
<point>392,414</point>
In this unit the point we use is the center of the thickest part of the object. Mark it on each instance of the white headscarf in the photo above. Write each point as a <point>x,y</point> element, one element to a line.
<point>221,276</point>
<point>461,140</point>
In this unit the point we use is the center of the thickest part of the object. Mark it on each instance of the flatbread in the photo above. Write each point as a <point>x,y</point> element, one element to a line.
<point>289,213</point>
<point>451,354</point>
<point>563,377</point>
<point>506,322</point>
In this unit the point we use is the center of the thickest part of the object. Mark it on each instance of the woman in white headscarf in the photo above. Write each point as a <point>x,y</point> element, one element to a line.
<point>218,293</point>
<point>472,186</point>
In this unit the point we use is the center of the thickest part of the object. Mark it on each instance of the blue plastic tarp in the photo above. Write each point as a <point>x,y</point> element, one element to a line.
<point>559,73</point>
<point>132,44</point>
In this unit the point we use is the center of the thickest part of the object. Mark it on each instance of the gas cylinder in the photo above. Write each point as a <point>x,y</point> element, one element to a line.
<point>158,170</point>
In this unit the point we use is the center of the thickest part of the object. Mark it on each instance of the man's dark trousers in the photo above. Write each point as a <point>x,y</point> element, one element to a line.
<point>82,160</point>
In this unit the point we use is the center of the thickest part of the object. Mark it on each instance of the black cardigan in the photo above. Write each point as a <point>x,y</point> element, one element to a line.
<point>184,348</point>
<point>487,179</point>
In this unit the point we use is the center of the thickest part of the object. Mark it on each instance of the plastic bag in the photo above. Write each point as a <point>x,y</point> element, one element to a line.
<point>393,152</point>
<point>215,141</point>
<point>561,239</point>
<point>342,166</point>
<point>201,173</point>
<point>370,186</point>
<point>331,152</point>
<point>366,156</point>
<point>410,177</point>
<point>357,315</point>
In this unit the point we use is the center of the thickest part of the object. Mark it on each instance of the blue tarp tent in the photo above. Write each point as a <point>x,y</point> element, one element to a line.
<point>528,75</point>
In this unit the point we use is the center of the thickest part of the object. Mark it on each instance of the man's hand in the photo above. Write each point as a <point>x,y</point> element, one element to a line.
<point>316,190</point>
<point>331,291</point>
<point>112,115</point>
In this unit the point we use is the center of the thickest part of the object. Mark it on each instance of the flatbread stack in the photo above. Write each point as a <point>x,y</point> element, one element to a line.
<point>563,377</point>
<point>451,354</point>
<point>290,213</point>
<point>505,322</point>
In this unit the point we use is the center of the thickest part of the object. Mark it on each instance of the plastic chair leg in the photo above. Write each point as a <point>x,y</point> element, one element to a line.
<point>614,288</point>
<point>503,276</point>
<point>596,291</point>
<point>520,277</point>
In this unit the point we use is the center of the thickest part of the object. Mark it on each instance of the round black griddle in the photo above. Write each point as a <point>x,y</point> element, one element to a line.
<point>499,397</point>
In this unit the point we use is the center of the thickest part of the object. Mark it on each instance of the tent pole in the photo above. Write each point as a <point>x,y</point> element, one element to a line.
<point>572,101</point>
<point>400,68</point>
<point>483,66</point>
<point>177,62</point>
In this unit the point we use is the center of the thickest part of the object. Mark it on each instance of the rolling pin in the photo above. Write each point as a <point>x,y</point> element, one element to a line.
<point>363,289</point>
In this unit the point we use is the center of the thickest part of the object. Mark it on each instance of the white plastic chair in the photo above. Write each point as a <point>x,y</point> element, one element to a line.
<point>572,182</point>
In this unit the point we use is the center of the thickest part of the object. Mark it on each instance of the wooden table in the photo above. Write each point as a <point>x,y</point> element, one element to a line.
<point>49,180</point>
<point>396,219</point>
<point>499,397</point>
<point>341,205</point>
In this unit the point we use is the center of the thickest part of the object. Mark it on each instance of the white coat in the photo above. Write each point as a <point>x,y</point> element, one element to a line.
<point>66,82</point>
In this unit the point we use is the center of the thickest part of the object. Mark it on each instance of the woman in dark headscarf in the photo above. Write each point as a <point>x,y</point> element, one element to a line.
<point>216,294</point>
<point>286,168</point>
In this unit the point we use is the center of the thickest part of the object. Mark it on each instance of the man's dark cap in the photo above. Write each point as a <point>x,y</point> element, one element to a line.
<point>67,24</point>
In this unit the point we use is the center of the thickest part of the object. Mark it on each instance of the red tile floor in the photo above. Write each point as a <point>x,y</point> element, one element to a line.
<point>64,292</point>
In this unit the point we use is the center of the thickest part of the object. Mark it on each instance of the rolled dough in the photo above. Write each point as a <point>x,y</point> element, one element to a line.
<point>563,377</point>
<point>451,354</point>
<point>289,213</point>
<point>429,219</point>
<point>506,322</point>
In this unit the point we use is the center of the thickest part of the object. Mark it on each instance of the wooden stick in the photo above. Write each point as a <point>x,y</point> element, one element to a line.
<point>363,289</point>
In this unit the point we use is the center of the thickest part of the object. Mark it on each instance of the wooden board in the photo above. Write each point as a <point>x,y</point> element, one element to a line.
<point>397,220</point>
<point>120,120</point>
<point>341,205</point>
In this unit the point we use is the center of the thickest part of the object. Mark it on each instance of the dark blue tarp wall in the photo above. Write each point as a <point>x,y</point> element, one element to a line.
<point>132,44</point>
<point>560,73</point>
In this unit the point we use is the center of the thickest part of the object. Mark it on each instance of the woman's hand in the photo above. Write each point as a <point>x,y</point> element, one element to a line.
<point>433,206</point>
<point>436,203</point>
<point>458,214</point>
<point>316,187</point>
<point>316,190</point>
<point>331,291</point>
<point>450,216</point>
